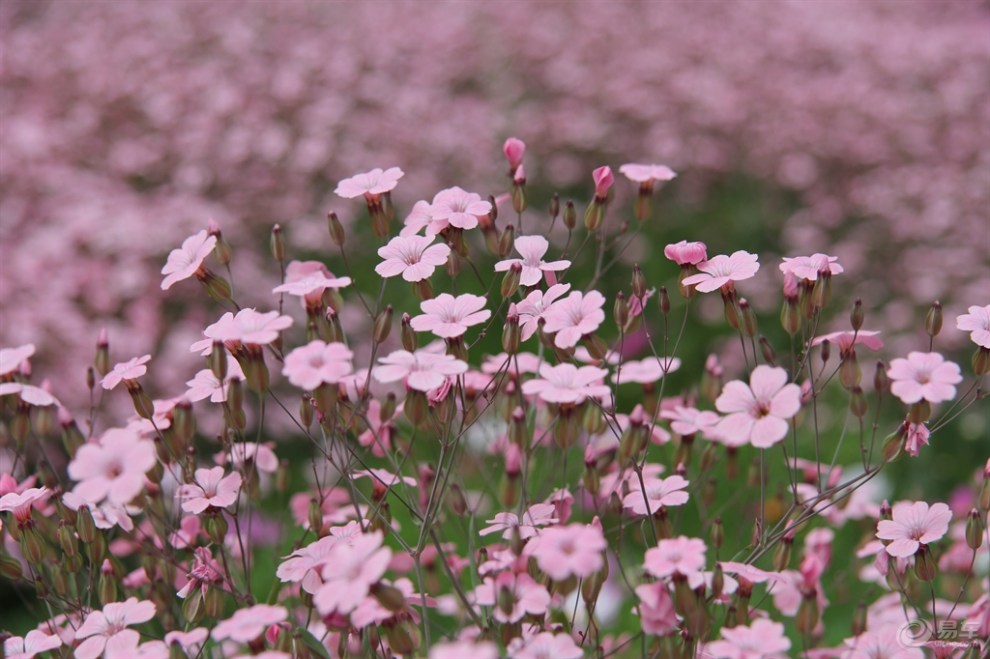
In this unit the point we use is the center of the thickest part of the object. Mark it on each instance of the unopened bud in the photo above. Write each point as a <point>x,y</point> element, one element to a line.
<point>221,251</point>
<point>218,361</point>
<point>933,321</point>
<point>216,528</point>
<point>235,404</point>
<point>183,421</point>
<point>383,325</point>
<point>782,556</point>
<point>807,616</point>
<point>880,380</point>
<point>192,606</point>
<point>974,530</point>
<point>102,360</point>
<point>769,355</point>
<point>519,195</point>
<point>849,371</point>
<point>924,564</point>
<point>217,287</point>
<point>278,244</point>
<point>143,405</point>
<point>554,206</point>
<point>107,588</point>
<point>748,318</point>
<point>409,341</point>
<point>570,215</point>
<point>638,282</point>
<point>856,315</point>
<point>336,229</point>
<point>620,311</point>
<point>506,241</point>
<point>510,282</point>
<point>790,317</point>
<point>511,334</point>
<point>826,351</point>
<point>981,361</point>
<point>458,503</point>
<point>389,596</point>
<point>717,533</point>
<point>90,378</point>
<point>663,300</point>
<point>857,402</point>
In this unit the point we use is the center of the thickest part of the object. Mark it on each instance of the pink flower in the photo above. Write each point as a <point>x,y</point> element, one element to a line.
<point>690,421</point>
<point>248,326</point>
<point>532,249</point>
<point>685,253</point>
<point>575,316</point>
<point>680,555</point>
<point>514,149</point>
<point>565,551</point>
<point>464,650</point>
<point>604,179</point>
<point>924,376</point>
<point>660,492</point>
<point>566,383</point>
<point>34,642</point>
<point>809,267</point>
<point>846,340</point>
<point>722,270</point>
<point>378,432</point>
<point>12,358</point>
<point>112,468</point>
<point>525,595</point>
<point>647,173</point>
<point>369,184</point>
<point>421,370</point>
<point>349,572</point>
<point>206,385</point>
<point>457,208</point>
<point>316,363</point>
<point>880,643</point>
<point>262,455</point>
<point>20,505</point>
<point>449,317</point>
<point>184,262</point>
<point>103,627</point>
<point>656,609</point>
<point>308,280</point>
<point>305,565</point>
<point>645,371</point>
<point>537,515</point>
<point>211,489</point>
<point>758,412</point>
<point>764,639</point>
<point>248,624</point>
<point>536,307</point>
<point>418,218</point>
<point>190,641</point>
<point>29,393</point>
<point>414,257</point>
<point>913,524</point>
<point>977,322</point>
<point>129,370</point>
<point>917,435</point>
<point>545,645</point>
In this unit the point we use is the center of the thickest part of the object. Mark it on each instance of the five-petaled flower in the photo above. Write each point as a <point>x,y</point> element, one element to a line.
<point>420,370</point>
<point>457,208</point>
<point>722,270</point>
<point>316,363</point>
<point>647,173</point>
<point>532,249</point>
<point>659,493</point>
<point>130,370</point>
<point>567,384</point>
<point>211,489</point>
<point>449,317</point>
<point>924,376</point>
<point>575,316</point>
<point>371,184</point>
<point>758,412</point>
<point>913,524</point>
<point>977,323</point>
<point>681,555</point>
<point>414,257</point>
<point>187,260</point>
<point>109,626</point>
<point>809,267</point>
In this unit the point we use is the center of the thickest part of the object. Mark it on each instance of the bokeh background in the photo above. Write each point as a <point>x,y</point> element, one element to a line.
<point>858,129</point>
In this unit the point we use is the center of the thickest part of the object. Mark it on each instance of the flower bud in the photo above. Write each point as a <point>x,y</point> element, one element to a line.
<point>221,251</point>
<point>10,567</point>
<point>409,341</point>
<point>416,407</point>
<point>458,503</point>
<point>782,555</point>
<point>183,421</point>
<point>192,606</point>
<point>981,361</point>
<point>102,360</point>
<point>880,381</point>
<point>90,378</point>
<point>717,534</point>
<point>859,620</point>
<point>511,334</point>
<point>142,403</point>
<point>383,325</point>
<point>933,321</point>
<point>790,318</point>
<point>107,588</point>
<point>510,282</point>
<point>731,313</point>
<point>807,616</point>
<point>570,215</point>
<point>594,215</point>
<point>235,404</point>
<point>664,300</point>
<point>974,530</point>
<point>924,564</point>
<point>506,241</point>
<point>256,372</point>
<point>857,402</point>
<point>620,311</point>
<point>403,638</point>
<point>849,371</point>
<point>216,528</point>
<point>554,206</point>
<point>217,287</point>
<point>822,289</point>
<point>638,282</point>
<point>389,596</point>
<point>748,318</point>
<point>519,193</point>
<point>856,316</point>
<point>826,352</point>
<point>278,244</point>
<point>335,229</point>
<point>596,347</point>
<point>769,355</point>
<point>218,361</point>
<point>214,601</point>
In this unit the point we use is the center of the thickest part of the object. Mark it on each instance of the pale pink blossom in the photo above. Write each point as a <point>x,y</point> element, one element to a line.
<point>514,150</point>
<point>566,383</point>
<point>248,326</point>
<point>457,208</point>
<point>847,340</point>
<point>758,412</point>
<point>763,639</point>
<point>691,421</point>
<point>645,371</point>
<point>887,642</point>
<point>924,376</point>
<point>449,317</point>
<point>809,267</point>
<point>184,262</point>
<point>526,595</point>
<point>132,369</point>
<point>680,555</point>
<point>210,489</point>
<point>604,179</point>
<point>383,478</point>
<point>369,184</point>
<point>378,433</point>
<point>21,504</point>
<point>12,358</point>
<point>418,218</point>
<point>686,253</point>
<point>913,524</point>
<point>916,436</point>
<point>420,370</point>
<point>976,322</point>
<point>248,624</point>
<point>316,363</point>
<point>545,645</point>
<point>190,641</point>
<point>206,385</point>
<point>722,270</point>
<point>532,249</point>
<point>349,571</point>
<point>308,280</point>
<point>536,306</point>
<point>565,551</point>
<point>414,257</point>
<point>537,515</point>
<point>575,316</point>
<point>464,650</point>
<point>112,468</point>
<point>370,612</point>
<point>28,393</point>
<point>656,609</point>
<point>103,627</point>
<point>129,646</point>
<point>33,643</point>
<point>106,514</point>
<point>647,173</point>
<point>660,492</point>
<point>261,455</point>
<point>305,565</point>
